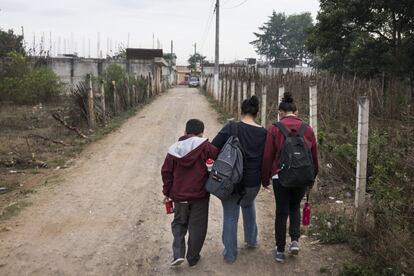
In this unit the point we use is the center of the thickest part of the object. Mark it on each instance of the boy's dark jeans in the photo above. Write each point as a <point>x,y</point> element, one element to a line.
<point>194,218</point>
<point>287,204</point>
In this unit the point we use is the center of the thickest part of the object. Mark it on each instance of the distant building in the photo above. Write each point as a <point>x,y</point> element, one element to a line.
<point>183,75</point>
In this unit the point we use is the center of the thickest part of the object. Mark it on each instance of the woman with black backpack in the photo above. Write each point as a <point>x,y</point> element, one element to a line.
<point>291,161</point>
<point>252,138</point>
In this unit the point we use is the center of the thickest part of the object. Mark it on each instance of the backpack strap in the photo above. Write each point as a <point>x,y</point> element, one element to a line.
<point>302,130</point>
<point>234,129</point>
<point>283,129</point>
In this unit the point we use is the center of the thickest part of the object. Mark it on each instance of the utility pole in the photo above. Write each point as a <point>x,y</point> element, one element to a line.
<point>216,68</point>
<point>195,48</point>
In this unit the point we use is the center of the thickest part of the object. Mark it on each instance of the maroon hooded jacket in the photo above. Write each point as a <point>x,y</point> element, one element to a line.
<point>274,142</point>
<point>184,172</point>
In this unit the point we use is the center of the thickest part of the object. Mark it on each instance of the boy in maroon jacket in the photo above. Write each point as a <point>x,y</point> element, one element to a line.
<point>184,174</point>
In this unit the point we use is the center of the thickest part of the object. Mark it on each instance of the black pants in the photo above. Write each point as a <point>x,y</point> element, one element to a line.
<point>194,218</point>
<point>287,205</point>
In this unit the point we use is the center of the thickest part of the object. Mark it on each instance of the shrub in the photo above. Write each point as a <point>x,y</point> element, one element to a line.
<point>23,83</point>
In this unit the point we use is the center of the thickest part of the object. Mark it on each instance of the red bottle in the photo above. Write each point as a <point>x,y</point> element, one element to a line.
<point>306,214</point>
<point>169,207</point>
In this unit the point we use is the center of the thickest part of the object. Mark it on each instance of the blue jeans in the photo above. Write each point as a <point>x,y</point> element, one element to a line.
<point>231,211</point>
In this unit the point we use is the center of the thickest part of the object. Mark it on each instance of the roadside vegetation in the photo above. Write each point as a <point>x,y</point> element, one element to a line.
<point>358,48</point>
<point>43,126</point>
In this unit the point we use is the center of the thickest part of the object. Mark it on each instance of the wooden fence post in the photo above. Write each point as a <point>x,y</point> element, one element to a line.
<point>134,93</point>
<point>232,90</point>
<point>224,93</point>
<point>252,88</point>
<point>91,108</point>
<point>115,98</point>
<point>103,102</point>
<point>228,95</point>
<point>128,96</point>
<point>264,105</point>
<point>313,109</point>
<point>148,88</point>
<point>244,90</point>
<point>239,94</point>
<point>362,158</point>
<point>281,92</point>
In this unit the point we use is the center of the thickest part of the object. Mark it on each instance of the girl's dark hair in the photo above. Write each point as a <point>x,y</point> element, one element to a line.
<point>287,104</point>
<point>250,106</point>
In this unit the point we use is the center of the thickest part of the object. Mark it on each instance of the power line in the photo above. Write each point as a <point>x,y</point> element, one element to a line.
<point>236,6</point>
<point>208,25</point>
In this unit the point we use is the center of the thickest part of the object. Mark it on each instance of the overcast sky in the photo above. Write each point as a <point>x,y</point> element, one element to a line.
<point>77,22</point>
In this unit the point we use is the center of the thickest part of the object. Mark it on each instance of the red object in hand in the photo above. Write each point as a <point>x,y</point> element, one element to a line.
<point>209,164</point>
<point>169,207</point>
<point>306,214</point>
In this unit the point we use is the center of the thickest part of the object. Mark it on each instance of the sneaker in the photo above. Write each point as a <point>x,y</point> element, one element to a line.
<point>294,248</point>
<point>177,262</point>
<point>251,246</point>
<point>279,256</point>
<point>195,262</point>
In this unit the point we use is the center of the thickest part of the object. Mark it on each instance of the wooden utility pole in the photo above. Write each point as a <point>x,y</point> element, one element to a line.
<point>362,158</point>
<point>217,54</point>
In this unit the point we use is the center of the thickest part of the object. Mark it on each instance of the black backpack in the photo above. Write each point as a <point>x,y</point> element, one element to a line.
<point>296,163</point>
<point>227,172</point>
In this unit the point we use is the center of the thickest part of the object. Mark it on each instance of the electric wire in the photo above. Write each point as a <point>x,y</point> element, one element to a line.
<point>236,6</point>
<point>208,25</point>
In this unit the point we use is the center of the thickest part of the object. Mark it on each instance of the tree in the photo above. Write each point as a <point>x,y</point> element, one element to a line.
<point>298,27</point>
<point>271,42</point>
<point>9,42</point>
<point>284,37</point>
<point>194,60</point>
<point>365,37</point>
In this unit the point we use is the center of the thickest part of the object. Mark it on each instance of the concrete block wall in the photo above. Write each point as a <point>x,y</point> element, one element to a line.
<point>74,70</point>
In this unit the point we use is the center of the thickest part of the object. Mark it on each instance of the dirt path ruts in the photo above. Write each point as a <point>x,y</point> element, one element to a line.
<point>106,215</point>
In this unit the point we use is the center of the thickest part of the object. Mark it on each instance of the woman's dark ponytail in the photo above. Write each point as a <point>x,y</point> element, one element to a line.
<point>250,106</point>
<point>287,104</point>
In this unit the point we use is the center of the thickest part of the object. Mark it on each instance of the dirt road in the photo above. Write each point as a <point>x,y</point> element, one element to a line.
<point>105,216</point>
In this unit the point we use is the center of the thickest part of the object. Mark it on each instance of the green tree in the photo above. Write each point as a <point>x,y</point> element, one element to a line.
<point>194,60</point>
<point>284,37</point>
<point>367,37</point>
<point>9,41</point>
<point>271,42</point>
<point>298,27</point>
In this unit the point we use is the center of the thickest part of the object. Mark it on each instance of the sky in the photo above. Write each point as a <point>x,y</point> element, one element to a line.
<point>74,26</point>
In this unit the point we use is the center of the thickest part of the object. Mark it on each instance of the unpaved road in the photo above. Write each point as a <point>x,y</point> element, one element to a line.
<point>105,216</point>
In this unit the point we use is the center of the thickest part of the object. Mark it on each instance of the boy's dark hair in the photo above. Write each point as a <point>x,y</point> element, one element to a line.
<point>250,106</point>
<point>287,104</point>
<point>194,127</point>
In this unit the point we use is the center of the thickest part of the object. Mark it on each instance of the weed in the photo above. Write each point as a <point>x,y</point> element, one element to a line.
<point>14,209</point>
<point>324,270</point>
<point>368,267</point>
<point>331,227</point>
<point>223,116</point>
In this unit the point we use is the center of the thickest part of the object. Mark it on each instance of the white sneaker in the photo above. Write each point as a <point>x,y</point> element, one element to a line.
<point>294,248</point>
<point>177,262</point>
